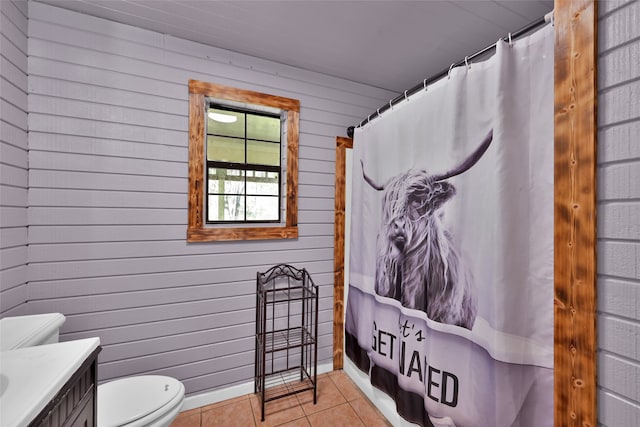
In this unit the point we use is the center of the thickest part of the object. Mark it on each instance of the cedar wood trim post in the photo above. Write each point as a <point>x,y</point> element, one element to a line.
<point>575,382</point>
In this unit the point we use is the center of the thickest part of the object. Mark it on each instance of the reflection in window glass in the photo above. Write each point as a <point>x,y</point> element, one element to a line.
<point>263,153</point>
<point>263,127</point>
<point>225,208</point>
<point>238,144</point>
<point>222,149</point>
<point>260,182</point>
<point>226,181</point>
<point>263,208</point>
<point>225,122</point>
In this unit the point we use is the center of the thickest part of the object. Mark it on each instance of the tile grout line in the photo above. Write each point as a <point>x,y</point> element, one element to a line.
<point>304,414</point>
<point>357,415</point>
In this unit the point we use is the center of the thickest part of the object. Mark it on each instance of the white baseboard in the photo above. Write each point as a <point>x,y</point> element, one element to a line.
<point>210,397</point>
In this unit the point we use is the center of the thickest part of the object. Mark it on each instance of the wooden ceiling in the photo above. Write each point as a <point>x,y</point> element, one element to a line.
<point>388,44</point>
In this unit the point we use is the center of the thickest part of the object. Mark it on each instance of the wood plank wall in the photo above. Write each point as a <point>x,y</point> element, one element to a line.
<point>108,120</point>
<point>13,156</point>
<point>618,213</point>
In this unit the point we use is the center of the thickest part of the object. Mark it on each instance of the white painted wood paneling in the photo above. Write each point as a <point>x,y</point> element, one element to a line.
<point>13,156</point>
<point>619,213</point>
<point>323,33</point>
<point>619,26</point>
<point>108,120</point>
<point>101,250</point>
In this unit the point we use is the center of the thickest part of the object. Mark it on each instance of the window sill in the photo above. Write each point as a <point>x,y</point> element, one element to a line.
<point>244,233</point>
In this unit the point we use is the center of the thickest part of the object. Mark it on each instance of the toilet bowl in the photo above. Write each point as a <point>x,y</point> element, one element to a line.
<point>140,401</point>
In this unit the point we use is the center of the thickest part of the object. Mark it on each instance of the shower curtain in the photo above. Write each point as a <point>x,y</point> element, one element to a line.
<point>450,299</point>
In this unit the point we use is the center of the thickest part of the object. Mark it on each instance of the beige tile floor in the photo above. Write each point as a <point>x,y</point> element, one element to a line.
<point>339,404</point>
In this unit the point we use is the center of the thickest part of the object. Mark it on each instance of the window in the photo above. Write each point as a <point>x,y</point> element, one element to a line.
<point>243,164</point>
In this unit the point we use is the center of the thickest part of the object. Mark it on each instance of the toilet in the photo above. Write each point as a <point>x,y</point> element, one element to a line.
<point>138,401</point>
<point>146,400</point>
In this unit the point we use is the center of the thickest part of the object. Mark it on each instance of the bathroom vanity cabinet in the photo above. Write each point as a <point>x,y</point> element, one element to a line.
<point>286,334</point>
<point>75,404</point>
<point>52,385</point>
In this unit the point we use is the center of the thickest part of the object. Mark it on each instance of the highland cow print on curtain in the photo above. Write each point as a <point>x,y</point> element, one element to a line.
<point>450,302</point>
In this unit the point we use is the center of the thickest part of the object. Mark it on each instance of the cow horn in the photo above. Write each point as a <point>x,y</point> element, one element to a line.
<point>469,162</point>
<point>369,180</point>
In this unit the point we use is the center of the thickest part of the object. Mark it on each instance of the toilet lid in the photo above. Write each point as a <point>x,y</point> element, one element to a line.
<point>126,400</point>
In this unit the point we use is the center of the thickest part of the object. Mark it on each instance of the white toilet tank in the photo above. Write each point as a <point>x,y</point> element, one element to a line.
<point>28,331</point>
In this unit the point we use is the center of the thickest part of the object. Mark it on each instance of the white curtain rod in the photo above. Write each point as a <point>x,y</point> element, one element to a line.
<point>403,96</point>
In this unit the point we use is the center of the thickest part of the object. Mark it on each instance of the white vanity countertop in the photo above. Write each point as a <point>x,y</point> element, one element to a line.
<point>30,377</point>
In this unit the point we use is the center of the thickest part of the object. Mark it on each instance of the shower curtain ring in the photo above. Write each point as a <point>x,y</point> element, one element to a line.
<point>450,68</point>
<point>378,111</point>
<point>466,62</point>
<point>405,96</point>
<point>425,84</point>
<point>390,105</point>
<point>510,41</point>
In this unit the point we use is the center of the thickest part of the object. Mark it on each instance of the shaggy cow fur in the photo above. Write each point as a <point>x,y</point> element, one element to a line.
<point>417,261</point>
